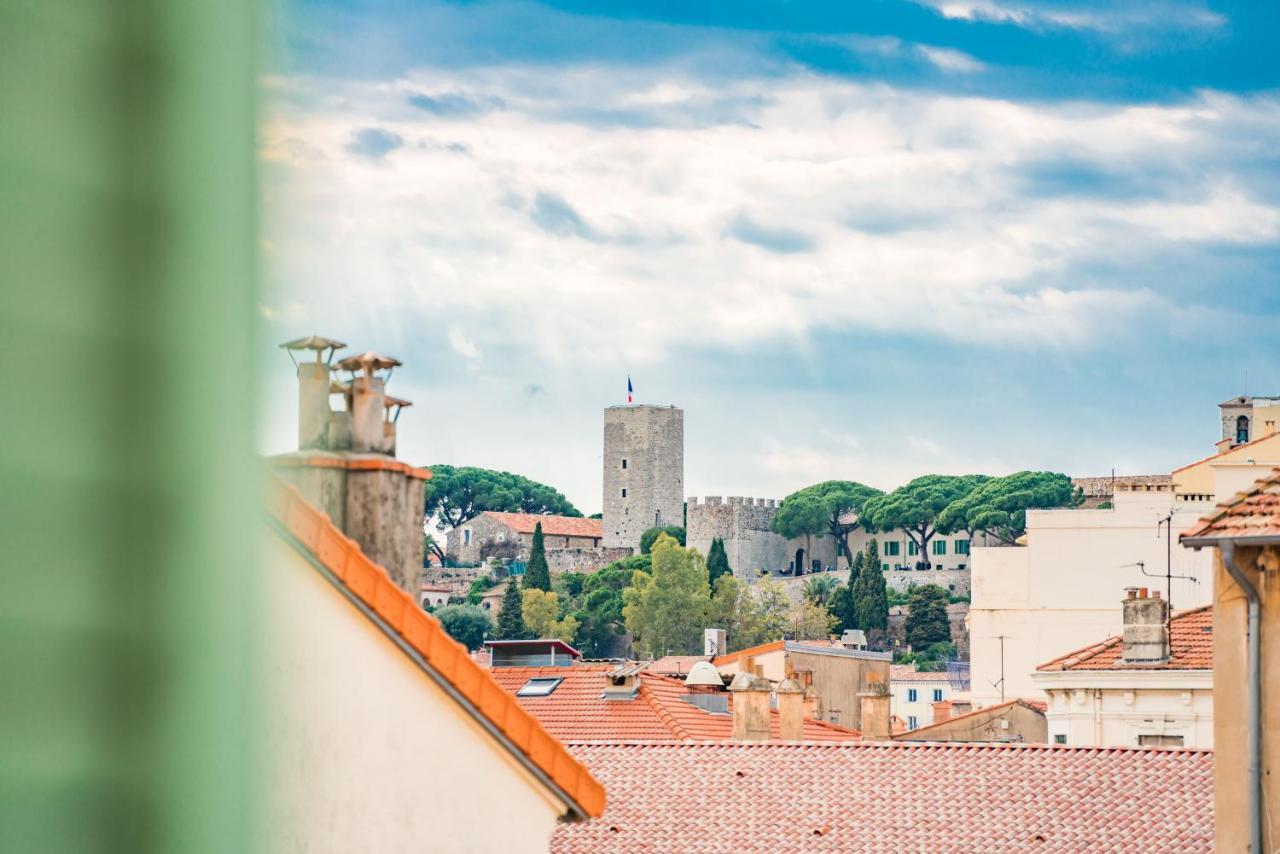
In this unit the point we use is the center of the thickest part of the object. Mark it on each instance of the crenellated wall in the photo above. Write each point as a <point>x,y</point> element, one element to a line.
<point>745,525</point>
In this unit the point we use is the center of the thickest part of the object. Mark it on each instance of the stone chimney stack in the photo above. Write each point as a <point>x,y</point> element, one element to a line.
<point>1146,626</point>
<point>875,709</point>
<point>790,710</point>
<point>941,711</point>
<point>313,388</point>
<point>345,463</point>
<point>750,707</point>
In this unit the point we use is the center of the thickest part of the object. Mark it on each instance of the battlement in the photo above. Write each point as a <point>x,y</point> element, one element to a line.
<point>732,501</point>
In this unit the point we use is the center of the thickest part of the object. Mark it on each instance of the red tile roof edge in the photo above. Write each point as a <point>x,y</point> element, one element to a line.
<point>1214,456</point>
<point>895,745</point>
<point>552,526</point>
<point>1203,529</point>
<point>1070,660</point>
<point>448,659</point>
<point>758,649</point>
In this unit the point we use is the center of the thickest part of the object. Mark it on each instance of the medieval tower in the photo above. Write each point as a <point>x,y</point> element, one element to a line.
<point>643,471</point>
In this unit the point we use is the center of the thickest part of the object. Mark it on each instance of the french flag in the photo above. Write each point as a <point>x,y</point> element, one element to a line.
<point>629,388</point>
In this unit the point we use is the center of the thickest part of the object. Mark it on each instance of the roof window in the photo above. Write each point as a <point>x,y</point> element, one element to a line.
<point>539,687</point>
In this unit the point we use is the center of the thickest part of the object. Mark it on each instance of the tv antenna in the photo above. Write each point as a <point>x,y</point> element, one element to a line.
<point>1000,683</point>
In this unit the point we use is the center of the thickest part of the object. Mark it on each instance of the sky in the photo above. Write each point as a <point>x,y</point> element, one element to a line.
<point>864,241</point>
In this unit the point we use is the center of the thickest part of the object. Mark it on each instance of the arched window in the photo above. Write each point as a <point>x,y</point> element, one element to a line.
<point>1242,429</point>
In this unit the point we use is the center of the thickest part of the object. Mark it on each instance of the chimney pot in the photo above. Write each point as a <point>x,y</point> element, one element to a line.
<point>1146,628</point>
<point>750,707</point>
<point>790,710</point>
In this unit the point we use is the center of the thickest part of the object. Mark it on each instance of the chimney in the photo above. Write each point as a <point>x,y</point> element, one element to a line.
<point>1146,626</point>
<point>750,707</point>
<point>875,709</point>
<point>623,683</point>
<point>941,711</point>
<point>313,387</point>
<point>368,400</point>
<point>790,710</point>
<point>376,502</point>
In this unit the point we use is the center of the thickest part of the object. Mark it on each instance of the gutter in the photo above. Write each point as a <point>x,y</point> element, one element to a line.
<point>1253,667</point>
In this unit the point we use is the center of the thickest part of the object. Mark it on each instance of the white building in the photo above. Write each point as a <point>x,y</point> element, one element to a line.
<point>1150,686</point>
<point>913,694</point>
<point>1031,604</point>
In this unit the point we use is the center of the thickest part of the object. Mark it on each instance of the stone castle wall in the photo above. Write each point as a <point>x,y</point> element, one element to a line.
<point>643,471</point>
<point>745,525</point>
<point>583,560</point>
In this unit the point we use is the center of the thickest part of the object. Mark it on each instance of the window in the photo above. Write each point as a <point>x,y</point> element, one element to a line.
<point>466,536</point>
<point>624,462</point>
<point>1159,741</point>
<point>939,547</point>
<point>911,722</point>
<point>937,695</point>
<point>891,548</point>
<point>539,687</point>
<point>486,605</point>
<point>1060,739</point>
<point>624,492</point>
<point>1242,429</point>
<point>912,548</point>
<point>912,696</point>
<point>962,547</point>
<point>884,567</point>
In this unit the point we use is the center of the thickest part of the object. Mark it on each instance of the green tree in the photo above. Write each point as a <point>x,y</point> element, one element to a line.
<point>476,591</point>
<point>511,618</point>
<point>459,494</point>
<point>466,624</point>
<point>717,561</point>
<point>648,537</point>
<point>811,621</point>
<point>870,597</point>
<point>914,508</point>
<point>541,611</point>
<point>927,621</point>
<point>820,589</point>
<point>841,607</point>
<point>599,607</point>
<point>665,608</point>
<point>833,507</point>
<point>763,614</point>
<point>999,506</point>
<point>536,573</point>
<point>571,583</point>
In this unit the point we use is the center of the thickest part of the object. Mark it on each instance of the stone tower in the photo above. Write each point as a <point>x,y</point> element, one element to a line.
<point>643,471</point>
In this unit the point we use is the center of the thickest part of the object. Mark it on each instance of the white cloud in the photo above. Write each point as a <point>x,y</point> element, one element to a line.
<point>948,59</point>
<point>464,346</point>
<point>907,211</point>
<point>1116,19</point>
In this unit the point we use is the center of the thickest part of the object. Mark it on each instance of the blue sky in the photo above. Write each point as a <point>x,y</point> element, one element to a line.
<point>860,240</point>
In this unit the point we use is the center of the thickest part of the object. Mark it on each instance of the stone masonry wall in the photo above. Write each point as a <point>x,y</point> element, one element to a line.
<point>583,560</point>
<point>643,455</point>
<point>749,541</point>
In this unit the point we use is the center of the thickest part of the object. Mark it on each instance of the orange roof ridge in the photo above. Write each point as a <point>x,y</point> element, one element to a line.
<point>758,649</point>
<point>324,460</point>
<point>1191,648</point>
<point>1214,456</point>
<point>1030,704</point>
<point>663,713</point>
<point>447,659</point>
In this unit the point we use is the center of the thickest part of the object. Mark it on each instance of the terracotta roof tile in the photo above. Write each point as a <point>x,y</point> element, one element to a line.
<point>1255,513</point>
<point>908,673</point>
<point>758,649</point>
<point>892,797</point>
<point>1190,648</point>
<point>671,665</point>
<point>371,584</point>
<point>577,710</point>
<point>553,526</point>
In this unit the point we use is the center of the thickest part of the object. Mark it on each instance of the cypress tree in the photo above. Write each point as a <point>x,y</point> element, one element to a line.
<point>717,562</point>
<point>870,595</point>
<point>536,573</point>
<point>511,617</point>
<point>927,621</point>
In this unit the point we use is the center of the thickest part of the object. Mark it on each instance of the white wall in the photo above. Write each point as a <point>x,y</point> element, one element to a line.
<point>1063,590</point>
<point>921,708</point>
<point>1114,708</point>
<point>363,751</point>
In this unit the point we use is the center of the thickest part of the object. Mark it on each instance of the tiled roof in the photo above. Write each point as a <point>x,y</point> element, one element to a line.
<point>888,797</point>
<point>313,532</point>
<point>1190,648</point>
<point>675,664</point>
<point>553,526</point>
<point>987,711</point>
<point>908,673</point>
<point>577,710</point>
<point>1251,514</point>
<point>758,649</point>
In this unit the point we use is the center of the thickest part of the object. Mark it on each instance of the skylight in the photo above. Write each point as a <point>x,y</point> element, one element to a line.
<point>539,687</point>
